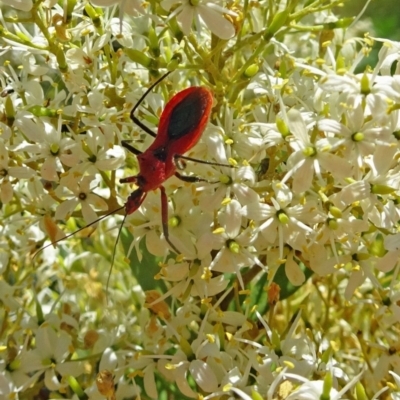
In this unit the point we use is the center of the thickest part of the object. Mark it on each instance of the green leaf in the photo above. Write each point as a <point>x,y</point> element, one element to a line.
<point>287,289</point>
<point>145,269</point>
<point>259,295</point>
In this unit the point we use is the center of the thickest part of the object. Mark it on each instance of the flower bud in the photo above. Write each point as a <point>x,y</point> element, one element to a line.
<point>139,57</point>
<point>282,127</point>
<point>234,247</point>
<point>174,221</point>
<point>277,22</point>
<point>335,212</point>
<point>255,395</point>
<point>283,218</point>
<point>75,386</point>
<point>94,14</point>
<point>358,137</point>
<point>332,223</point>
<point>382,189</point>
<point>327,387</point>
<point>251,70</point>
<point>377,247</point>
<point>365,86</point>
<point>10,111</point>
<point>360,392</point>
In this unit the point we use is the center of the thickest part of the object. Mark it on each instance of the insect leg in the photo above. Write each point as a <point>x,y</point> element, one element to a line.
<point>78,230</point>
<point>179,156</point>
<point>129,147</point>
<point>142,125</point>
<point>164,218</point>
<point>135,119</point>
<point>191,178</point>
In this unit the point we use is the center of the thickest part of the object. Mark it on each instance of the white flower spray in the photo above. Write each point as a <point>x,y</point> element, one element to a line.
<point>287,285</point>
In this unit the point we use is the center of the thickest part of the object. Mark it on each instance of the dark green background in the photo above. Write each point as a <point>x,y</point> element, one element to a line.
<point>385,15</point>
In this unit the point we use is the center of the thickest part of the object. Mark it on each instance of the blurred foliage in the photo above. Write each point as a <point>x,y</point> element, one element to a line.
<point>384,14</point>
<point>384,18</point>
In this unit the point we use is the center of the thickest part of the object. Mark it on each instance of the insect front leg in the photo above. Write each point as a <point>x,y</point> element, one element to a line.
<point>129,147</point>
<point>142,125</point>
<point>137,120</point>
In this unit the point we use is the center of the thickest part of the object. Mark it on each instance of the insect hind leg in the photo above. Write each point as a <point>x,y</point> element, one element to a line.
<point>179,156</point>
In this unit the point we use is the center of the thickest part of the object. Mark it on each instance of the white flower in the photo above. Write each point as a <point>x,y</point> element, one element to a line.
<point>311,390</point>
<point>145,223</point>
<point>126,6</point>
<point>231,241</point>
<point>9,169</point>
<point>97,154</point>
<point>22,5</point>
<point>287,224</point>
<point>50,357</point>
<point>309,157</point>
<point>358,138</point>
<point>193,276</point>
<point>233,182</point>
<point>357,90</point>
<point>389,53</point>
<point>49,145</point>
<point>199,10</point>
<point>81,193</point>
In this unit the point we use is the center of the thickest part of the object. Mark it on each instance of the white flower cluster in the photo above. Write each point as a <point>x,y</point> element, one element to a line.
<point>306,182</point>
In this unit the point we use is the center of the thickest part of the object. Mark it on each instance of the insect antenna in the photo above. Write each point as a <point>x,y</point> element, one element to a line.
<point>113,254</point>
<point>78,230</point>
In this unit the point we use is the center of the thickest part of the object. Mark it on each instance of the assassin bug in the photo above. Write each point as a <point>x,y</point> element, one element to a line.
<point>181,125</point>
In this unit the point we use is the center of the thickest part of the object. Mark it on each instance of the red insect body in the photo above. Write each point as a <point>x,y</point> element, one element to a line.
<point>181,124</point>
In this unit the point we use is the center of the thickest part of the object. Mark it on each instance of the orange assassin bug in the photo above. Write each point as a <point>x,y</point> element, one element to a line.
<point>181,125</point>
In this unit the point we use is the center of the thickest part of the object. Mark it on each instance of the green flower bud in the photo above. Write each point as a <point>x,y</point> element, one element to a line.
<point>256,396</point>
<point>174,221</point>
<point>277,22</point>
<point>251,70</point>
<point>10,112</point>
<point>365,87</point>
<point>139,57</point>
<point>332,223</point>
<point>327,387</point>
<point>360,392</point>
<point>282,127</point>
<point>39,111</point>
<point>54,149</point>
<point>309,151</point>
<point>282,217</point>
<point>335,212</point>
<point>75,386</point>
<point>358,137</point>
<point>234,247</point>
<point>341,23</point>
<point>381,189</point>
<point>377,247</point>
